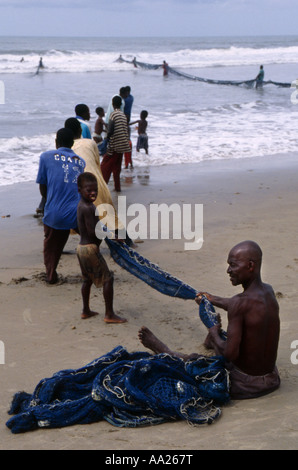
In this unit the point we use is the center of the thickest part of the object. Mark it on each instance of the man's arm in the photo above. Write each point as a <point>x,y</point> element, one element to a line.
<point>230,348</point>
<point>220,302</point>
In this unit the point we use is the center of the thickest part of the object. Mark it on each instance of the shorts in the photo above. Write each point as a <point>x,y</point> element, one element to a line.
<point>93,265</point>
<point>245,386</point>
<point>142,142</point>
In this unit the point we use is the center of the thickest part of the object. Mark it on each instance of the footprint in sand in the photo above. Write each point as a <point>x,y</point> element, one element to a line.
<point>27,316</point>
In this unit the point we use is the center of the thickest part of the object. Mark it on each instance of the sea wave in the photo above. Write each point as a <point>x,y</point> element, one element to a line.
<point>58,60</point>
<point>202,138</point>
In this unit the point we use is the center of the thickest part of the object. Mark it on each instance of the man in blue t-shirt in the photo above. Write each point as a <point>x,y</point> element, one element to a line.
<point>83,115</point>
<point>57,178</point>
<point>128,103</point>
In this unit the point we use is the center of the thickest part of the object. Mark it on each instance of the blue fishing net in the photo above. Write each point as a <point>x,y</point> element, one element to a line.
<point>148,272</point>
<point>127,390</point>
<point>160,280</point>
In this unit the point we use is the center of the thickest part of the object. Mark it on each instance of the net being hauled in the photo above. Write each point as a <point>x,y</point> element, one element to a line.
<point>249,83</point>
<point>130,389</point>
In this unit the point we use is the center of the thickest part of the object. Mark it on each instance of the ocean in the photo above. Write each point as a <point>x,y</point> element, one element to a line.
<point>188,121</point>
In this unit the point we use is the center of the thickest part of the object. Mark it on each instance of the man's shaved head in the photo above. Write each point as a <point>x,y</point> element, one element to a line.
<point>244,262</point>
<point>249,249</point>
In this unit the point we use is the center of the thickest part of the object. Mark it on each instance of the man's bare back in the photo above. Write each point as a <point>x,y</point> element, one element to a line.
<point>255,310</point>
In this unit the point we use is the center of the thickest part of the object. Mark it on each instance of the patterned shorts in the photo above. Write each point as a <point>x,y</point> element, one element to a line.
<point>93,265</point>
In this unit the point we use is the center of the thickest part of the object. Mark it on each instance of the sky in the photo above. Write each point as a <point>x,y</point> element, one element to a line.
<point>148,18</point>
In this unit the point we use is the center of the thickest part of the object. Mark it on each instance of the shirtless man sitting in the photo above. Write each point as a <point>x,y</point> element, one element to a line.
<point>253,328</point>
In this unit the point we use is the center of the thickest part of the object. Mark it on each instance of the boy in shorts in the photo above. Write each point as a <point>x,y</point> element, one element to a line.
<point>142,142</point>
<point>93,266</point>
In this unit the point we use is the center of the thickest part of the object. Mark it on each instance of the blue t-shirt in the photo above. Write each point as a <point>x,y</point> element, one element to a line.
<point>86,134</point>
<point>59,171</point>
<point>128,105</point>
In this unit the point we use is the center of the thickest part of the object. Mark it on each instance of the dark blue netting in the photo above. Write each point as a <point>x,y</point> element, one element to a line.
<point>127,390</point>
<point>160,280</point>
<point>148,272</point>
<point>249,83</point>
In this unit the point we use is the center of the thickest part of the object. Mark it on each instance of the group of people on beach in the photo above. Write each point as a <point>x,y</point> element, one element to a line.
<point>73,184</point>
<point>112,133</point>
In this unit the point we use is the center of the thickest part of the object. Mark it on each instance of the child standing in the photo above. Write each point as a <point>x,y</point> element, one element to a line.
<point>93,265</point>
<point>100,125</point>
<point>100,132</point>
<point>142,142</point>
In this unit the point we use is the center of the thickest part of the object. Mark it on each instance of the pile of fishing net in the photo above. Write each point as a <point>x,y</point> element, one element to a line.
<point>127,390</point>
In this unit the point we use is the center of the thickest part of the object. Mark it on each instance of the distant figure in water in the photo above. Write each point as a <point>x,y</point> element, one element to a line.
<point>165,67</point>
<point>40,66</point>
<point>260,77</point>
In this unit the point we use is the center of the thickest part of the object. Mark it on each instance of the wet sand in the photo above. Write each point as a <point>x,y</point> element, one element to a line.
<point>43,333</point>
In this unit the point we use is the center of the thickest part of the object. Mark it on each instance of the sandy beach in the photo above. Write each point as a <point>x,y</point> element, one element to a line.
<point>43,333</point>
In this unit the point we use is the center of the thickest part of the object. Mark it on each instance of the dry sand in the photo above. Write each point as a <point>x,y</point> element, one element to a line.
<point>43,333</point>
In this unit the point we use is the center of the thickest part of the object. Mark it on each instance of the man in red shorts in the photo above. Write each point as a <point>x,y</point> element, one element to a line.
<point>118,143</point>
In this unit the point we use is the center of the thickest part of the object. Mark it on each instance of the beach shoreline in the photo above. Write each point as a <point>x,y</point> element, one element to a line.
<point>253,198</point>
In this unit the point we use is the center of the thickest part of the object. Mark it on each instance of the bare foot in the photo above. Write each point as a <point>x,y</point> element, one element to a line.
<point>150,341</point>
<point>89,314</point>
<point>114,319</point>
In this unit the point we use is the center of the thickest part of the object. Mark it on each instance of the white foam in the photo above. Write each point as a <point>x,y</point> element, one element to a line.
<point>77,61</point>
<point>19,157</point>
